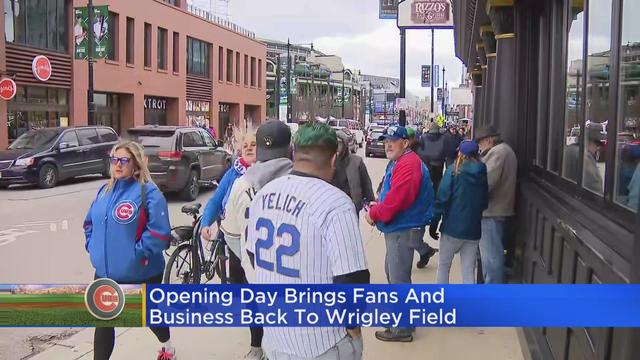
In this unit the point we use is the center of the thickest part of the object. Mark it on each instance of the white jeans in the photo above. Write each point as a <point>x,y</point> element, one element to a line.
<point>346,349</point>
<point>449,247</point>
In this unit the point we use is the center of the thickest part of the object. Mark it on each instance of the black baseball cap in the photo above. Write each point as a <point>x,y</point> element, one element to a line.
<point>273,140</point>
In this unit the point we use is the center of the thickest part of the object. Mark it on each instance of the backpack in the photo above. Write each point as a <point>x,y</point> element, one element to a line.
<point>432,152</point>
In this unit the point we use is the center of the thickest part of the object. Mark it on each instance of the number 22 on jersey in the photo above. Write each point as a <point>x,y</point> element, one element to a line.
<point>276,236</point>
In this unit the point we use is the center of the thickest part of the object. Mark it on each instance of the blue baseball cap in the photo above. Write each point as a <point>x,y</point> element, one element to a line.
<point>395,133</point>
<point>469,147</point>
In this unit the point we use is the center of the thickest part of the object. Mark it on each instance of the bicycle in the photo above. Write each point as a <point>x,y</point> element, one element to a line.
<point>187,264</point>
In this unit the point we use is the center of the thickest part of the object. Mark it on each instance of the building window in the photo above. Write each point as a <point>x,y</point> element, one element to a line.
<point>130,40</point>
<point>238,68</point>
<point>173,2</point>
<point>574,97</point>
<point>176,52</point>
<point>260,74</point>
<point>36,107</point>
<point>38,23</point>
<point>220,63</point>
<point>147,45</point>
<point>555,132</point>
<point>253,71</point>
<point>598,102</point>
<point>162,48</point>
<point>229,65</point>
<point>627,187</point>
<point>198,57</point>
<point>246,70</point>
<point>112,36</point>
<point>107,110</point>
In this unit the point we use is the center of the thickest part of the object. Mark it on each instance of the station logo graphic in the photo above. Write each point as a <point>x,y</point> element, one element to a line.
<point>104,299</point>
<point>125,211</point>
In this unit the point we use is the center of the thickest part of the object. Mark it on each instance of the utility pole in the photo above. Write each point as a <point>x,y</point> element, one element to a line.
<point>278,70</point>
<point>313,90</point>
<point>433,75</point>
<point>289,104</point>
<point>444,95</point>
<point>402,119</point>
<point>342,92</point>
<point>91,106</point>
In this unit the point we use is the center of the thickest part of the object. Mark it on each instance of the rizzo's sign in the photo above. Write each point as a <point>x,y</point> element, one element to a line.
<point>41,67</point>
<point>155,103</point>
<point>425,14</point>
<point>8,89</point>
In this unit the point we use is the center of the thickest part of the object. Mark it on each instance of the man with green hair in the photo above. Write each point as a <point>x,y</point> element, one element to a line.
<point>303,230</point>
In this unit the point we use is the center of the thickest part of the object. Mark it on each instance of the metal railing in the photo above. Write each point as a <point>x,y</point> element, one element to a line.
<point>219,21</point>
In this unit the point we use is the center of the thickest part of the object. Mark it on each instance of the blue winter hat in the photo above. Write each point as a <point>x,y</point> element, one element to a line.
<point>468,147</point>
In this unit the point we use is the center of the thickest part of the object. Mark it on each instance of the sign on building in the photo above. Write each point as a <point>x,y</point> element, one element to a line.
<point>426,75</point>
<point>388,9</point>
<point>425,14</point>
<point>440,97</point>
<point>101,32</point>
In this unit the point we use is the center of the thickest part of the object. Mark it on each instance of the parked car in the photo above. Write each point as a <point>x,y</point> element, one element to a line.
<point>374,127</point>
<point>374,146</point>
<point>182,159</point>
<point>47,155</point>
<point>356,129</point>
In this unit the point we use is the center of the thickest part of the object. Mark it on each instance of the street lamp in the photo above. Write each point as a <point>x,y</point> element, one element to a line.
<point>289,102</point>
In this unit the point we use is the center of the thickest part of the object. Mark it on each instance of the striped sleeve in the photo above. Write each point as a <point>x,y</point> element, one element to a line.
<point>343,242</point>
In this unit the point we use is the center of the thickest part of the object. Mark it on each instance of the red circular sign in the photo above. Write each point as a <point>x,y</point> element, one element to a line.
<point>41,68</point>
<point>8,89</point>
<point>106,298</point>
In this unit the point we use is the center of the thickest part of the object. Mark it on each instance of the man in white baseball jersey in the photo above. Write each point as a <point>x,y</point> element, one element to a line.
<point>273,152</point>
<point>302,230</point>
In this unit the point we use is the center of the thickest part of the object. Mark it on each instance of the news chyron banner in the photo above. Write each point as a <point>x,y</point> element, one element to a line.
<point>105,303</point>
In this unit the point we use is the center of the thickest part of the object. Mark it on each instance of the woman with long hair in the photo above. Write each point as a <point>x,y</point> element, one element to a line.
<point>461,199</point>
<point>214,211</point>
<point>127,229</point>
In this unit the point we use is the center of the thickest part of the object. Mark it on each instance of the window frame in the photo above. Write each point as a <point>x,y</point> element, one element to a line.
<point>148,41</point>
<point>130,35</point>
<point>556,100</point>
<point>198,65</point>
<point>220,63</point>
<point>162,48</point>
<point>113,22</point>
<point>237,68</point>
<point>176,53</point>
<point>229,65</point>
<point>60,34</point>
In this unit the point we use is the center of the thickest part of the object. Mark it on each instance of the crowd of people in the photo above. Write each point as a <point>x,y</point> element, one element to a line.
<point>461,190</point>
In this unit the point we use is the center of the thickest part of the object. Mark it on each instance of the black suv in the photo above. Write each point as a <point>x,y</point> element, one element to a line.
<point>181,159</point>
<point>46,156</point>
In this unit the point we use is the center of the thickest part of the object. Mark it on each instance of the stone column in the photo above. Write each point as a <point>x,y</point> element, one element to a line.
<point>489,41</point>
<point>502,21</point>
<point>476,74</point>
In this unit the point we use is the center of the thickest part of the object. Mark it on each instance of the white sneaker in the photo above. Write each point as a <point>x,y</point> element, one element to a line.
<point>255,353</point>
<point>167,354</point>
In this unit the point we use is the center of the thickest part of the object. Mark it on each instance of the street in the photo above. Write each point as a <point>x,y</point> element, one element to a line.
<point>41,241</point>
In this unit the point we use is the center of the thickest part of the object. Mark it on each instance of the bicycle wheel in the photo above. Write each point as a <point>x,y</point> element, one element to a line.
<point>183,267</point>
<point>214,264</point>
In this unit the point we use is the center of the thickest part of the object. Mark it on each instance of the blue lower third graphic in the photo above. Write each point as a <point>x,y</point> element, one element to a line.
<point>394,305</point>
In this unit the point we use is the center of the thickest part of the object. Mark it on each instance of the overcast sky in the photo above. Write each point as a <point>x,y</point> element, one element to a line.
<point>350,29</point>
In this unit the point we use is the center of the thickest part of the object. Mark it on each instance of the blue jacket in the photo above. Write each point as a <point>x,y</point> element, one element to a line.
<point>215,207</point>
<point>406,198</point>
<point>461,200</point>
<point>124,243</point>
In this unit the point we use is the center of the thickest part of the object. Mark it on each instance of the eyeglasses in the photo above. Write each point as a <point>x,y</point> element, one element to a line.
<point>122,160</point>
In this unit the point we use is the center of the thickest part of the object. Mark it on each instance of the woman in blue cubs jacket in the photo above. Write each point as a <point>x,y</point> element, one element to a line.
<point>126,232</point>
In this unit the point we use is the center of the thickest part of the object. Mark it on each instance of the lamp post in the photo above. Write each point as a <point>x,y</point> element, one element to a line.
<point>91,106</point>
<point>444,95</point>
<point>342,92</point>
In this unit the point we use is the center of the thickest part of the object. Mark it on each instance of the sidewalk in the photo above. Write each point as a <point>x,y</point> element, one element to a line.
<point>232,343</point>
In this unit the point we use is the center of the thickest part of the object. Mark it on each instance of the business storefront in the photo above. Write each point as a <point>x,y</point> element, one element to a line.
<point>36,107</point>
<point>108,110</point>
<point>561,81</point>
<point>198,113</point>
<point>155,110</point>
